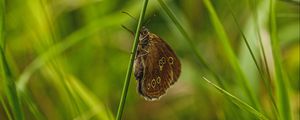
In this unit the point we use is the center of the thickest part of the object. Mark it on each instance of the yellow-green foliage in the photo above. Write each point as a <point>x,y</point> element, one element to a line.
<point>67,59</point>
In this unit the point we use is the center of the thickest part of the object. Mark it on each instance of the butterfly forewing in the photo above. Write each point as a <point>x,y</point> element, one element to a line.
<point>156,67</point>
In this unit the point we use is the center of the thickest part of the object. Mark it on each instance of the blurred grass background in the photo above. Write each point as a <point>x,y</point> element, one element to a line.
<point>67,59</point>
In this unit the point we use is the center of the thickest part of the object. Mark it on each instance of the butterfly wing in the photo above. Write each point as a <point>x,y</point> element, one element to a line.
<point>161,69</point>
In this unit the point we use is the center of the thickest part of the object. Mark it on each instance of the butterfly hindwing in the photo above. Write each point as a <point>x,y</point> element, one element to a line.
<point>157,70</point>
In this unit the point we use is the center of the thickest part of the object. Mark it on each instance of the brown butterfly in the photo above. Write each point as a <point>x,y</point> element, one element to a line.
<point>156,66</point>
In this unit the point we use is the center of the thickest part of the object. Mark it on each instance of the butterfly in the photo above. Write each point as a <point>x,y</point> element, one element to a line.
<point>156,66</point>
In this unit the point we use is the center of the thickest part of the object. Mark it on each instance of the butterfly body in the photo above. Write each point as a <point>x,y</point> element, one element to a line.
<point>156,66</point>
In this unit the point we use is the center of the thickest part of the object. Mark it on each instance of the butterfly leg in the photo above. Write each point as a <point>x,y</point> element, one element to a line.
<point>144,37</point>
<point>139,69</point>
<point>145,52</point>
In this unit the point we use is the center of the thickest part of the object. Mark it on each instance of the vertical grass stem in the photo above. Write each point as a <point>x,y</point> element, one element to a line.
<point>130,66</point>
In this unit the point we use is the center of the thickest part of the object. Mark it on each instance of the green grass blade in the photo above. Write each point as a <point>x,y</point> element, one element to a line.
<point>189,40</point>
<point>72,96</point>
<point>97,108</point>
<point>130,66</point>
<point>267,77</point>
<point>244,38</point>
<point>10,88</point>
<point>182,31</point>
<point>9,84</point>
<point>230,54</point>
<point>283,101</point>
<point>243,105</point>
<point>2,18</point>
<point>199,57</point>
<point>32,105</point>
<point>266,80</point>
<point>61,47</point>
<point>5,107</point>
<point>71,40</point>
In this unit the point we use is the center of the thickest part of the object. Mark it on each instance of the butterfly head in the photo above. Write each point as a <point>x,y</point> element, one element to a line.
<point>144,31</point>
<point>144,36</point>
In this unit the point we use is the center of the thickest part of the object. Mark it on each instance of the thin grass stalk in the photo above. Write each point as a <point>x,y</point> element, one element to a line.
<point>267,79</point>
<point>72,96</point>
<point>172,16</point>
<point>10,89</point>
<point>193,46</point>
<point>245,41</point>
<point>62,46</point>
<point>71,40</point>
<point>244,37</point>
<point>182,31</point>
<point>9,84</point>
<point>2,12</point>
<point>281,85</point>
<point>260,70</point>
<point>27,97</point>
<point>90,99</point>
<point>5,107</point>
<point>231,57</point>
<point>130,66</point>
<point>2,18</point>
<point>190,42</point>
<point>243,105</point>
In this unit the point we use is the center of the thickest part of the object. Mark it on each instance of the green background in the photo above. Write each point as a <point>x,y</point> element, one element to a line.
<point>67,59</point>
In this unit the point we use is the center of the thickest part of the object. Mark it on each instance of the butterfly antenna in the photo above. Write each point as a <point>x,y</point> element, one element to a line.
<point>127,29</point>
<point>149,19</point>
<point>130,16</point>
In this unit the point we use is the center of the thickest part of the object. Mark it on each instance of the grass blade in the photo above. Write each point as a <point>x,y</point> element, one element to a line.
<point>267,78</point>
<point>10,88</point>
<point>31,104</point>
<point>189,40</point>
<point>172,16</point>
<point>130,66</point>
<point>2,18</point>
<point>97,108</point>
<point>243,105</point>
<point>9,84</point>
<point>5,108</point>
<point>281,85</point>
<point>58,49</point>
<point>230,54</point>
<point>244,38</point>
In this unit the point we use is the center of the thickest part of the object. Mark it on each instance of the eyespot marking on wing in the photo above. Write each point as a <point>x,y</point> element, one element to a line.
<point>158,79</point>
<point>161,63</point>
<point>153,83</point>
<point>171,60</point>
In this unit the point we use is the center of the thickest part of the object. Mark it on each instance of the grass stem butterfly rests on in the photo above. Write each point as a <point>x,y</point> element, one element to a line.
<point>156,66</point>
